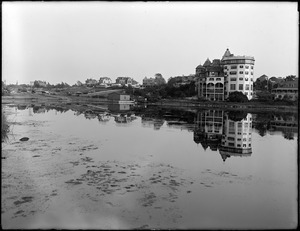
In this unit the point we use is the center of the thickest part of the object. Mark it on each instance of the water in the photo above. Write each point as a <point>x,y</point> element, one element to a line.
<point>231,169</point>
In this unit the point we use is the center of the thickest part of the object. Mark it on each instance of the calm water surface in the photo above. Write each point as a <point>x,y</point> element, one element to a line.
<point>243,166</point>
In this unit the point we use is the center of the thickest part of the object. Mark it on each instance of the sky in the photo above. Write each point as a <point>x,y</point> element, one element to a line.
<point>72,41</point>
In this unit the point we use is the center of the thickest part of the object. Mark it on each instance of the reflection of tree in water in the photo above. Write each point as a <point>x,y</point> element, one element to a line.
<point>237,115</point>
<point>43,109</point>
<point>262,123</point>
<point>22,107</point>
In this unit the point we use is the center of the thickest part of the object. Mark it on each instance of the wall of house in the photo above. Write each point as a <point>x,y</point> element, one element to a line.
<point>239,77</point>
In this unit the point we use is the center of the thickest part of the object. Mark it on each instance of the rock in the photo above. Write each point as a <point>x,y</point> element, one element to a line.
<point>24,139</point>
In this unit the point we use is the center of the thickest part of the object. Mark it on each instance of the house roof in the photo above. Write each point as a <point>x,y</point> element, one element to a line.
<point>227,53</point>
<point>117,93</point>
<point>104,78</point>
<point>214,68</point>
<point>216,62</point>
<point>199,66</point>
<point>207,63</point>
<point>232,57</point>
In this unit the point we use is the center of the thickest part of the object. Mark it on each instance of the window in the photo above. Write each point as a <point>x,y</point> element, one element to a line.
<point>241,87</point>
<point>241,66</point>
<point>246,79</point>
<point>231,144</point>
<point>251,88</point>
<point>232,72</point>
<point>241,72</point>
<point>232,79</point>
<point>247,87</point>
<point>232,86</point>
<point>247,67</point>
<point>251,79</point>
<point>238,145</point>
<point>252,67</point>
<point>246,72</point>
<point>218,79</point>
<point>211,79</point>
<point>233,67</point>
<point>231,138</point>
<point>225,67</point>
<point>251,72</point>
<point>241,78</point>
<point>244,145</point>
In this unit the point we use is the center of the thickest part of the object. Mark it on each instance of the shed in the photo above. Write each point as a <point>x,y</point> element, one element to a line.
<point>117,96</point>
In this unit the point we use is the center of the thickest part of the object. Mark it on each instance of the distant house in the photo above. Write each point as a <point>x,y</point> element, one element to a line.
<point>262,78</point>
<point>148,82</point>
<point>124,80</point>
<point>78,83</point>
<point>117,96</point>
<point>39,83</point>
<point>105,80</point>
<point>157,80</point>
<point>178,81</point>
<point>91,82</point>
<point>288,88</point>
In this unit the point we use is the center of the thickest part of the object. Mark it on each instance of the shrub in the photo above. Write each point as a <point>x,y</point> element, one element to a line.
<point>237,96</point>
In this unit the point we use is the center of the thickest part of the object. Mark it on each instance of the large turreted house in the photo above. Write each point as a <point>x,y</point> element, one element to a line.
<point>217,79</point>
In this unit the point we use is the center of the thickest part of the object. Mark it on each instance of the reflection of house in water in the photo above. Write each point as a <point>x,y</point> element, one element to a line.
<point>22,107</point>
<point>209,128</point>
<point>155,122</point>
<point>236,138</point>
<point>119,102</point>
<point>118,97</point>
<point>124,118</point>
<point>37,109</point>
<point>182,121</point>
<point>287,124</point>
<point>104,117</point>
<point>89,114</point>
<point>119,107</point>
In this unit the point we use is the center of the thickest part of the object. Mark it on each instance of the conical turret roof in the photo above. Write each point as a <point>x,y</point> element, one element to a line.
<point>227,53</point>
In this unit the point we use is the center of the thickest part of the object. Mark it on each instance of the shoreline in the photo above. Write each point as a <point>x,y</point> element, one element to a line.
<point>226,105</point>
<point>59,99</point>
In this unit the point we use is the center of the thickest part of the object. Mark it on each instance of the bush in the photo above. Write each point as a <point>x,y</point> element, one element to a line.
<point>237,96</point>
<point>265,96</point>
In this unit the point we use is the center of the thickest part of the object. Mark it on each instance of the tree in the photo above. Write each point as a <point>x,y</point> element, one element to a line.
<point>290,77</point>
<point>265,96</point>
<point>237,96</point>
<point>36,83</point>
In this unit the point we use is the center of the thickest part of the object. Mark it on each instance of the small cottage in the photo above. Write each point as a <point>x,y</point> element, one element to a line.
<point>117,96</point>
